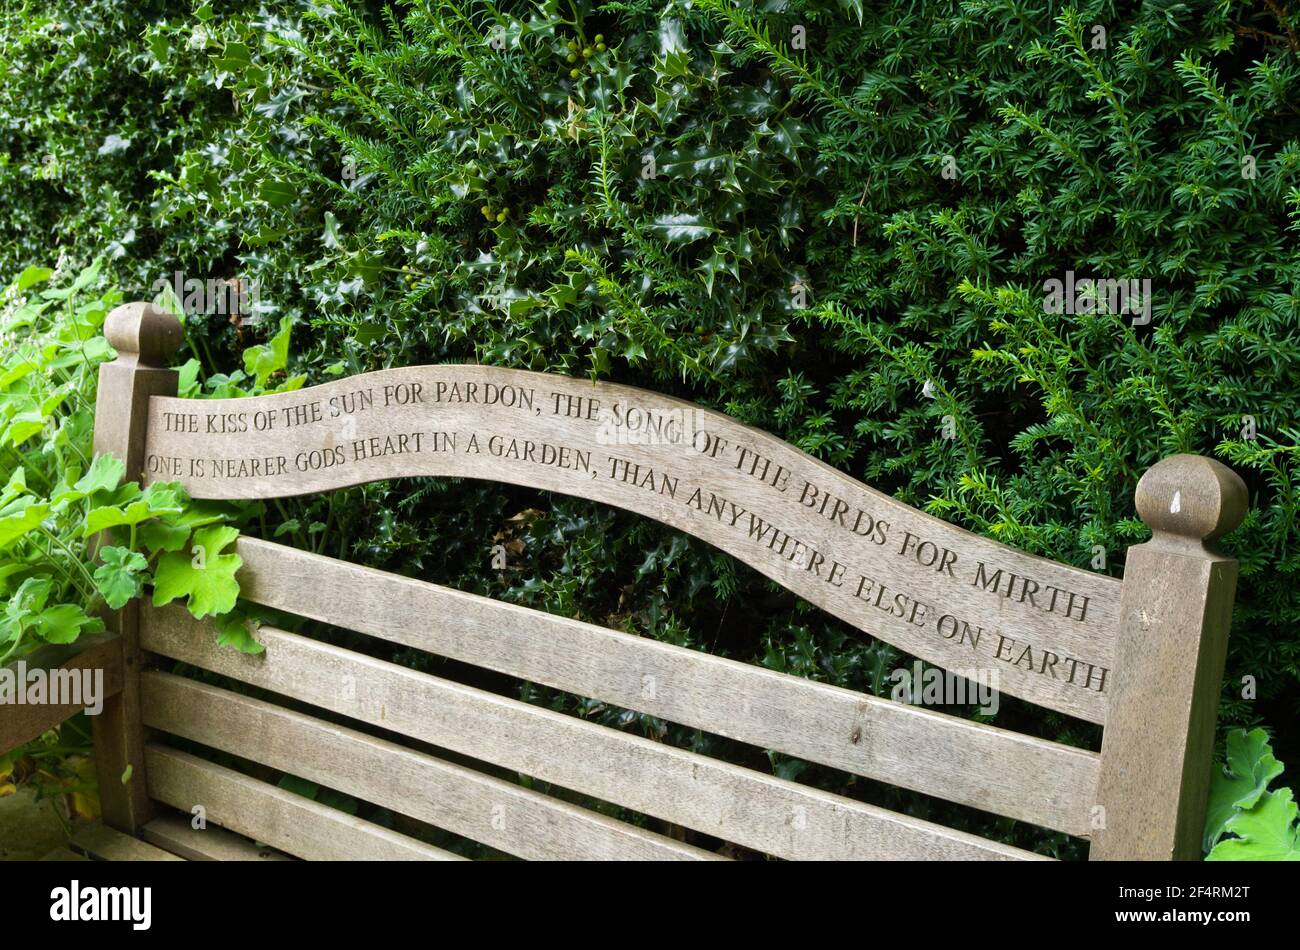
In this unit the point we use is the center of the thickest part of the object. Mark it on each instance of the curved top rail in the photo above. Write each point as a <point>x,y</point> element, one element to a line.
<point>1040,630</point>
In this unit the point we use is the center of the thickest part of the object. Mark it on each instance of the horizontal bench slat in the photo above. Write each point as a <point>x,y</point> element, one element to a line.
<point>23,723</point>
<point>108,844</point>
<point>281,818</point>
<point>176,834</point>
<point>736,804</point>
<point>507,817</point>
<point>1004,772</point>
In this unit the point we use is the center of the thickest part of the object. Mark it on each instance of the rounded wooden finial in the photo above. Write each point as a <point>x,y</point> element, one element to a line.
<point>141,332</point>
<point>1191,497</point>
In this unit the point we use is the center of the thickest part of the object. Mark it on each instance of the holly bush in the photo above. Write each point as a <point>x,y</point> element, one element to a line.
<point>830,219</point>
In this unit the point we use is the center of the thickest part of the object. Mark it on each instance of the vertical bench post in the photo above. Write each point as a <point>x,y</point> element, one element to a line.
<point>145,338</point>
<point>1175,611</point>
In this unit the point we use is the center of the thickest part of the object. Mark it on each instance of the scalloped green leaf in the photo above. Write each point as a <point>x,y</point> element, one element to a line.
<point>121,575</point>
<point>206,579</point>
<point>1266,832</point>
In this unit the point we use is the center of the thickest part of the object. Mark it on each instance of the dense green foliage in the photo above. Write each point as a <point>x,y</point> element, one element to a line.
<point>830,219</point>
<point>57,495</point>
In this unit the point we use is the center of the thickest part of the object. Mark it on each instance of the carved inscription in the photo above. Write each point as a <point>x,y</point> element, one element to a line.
<point>930,588</point>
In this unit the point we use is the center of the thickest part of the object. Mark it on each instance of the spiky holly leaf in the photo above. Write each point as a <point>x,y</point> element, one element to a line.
<point>1250,768</point>
<point>1266,832</point>
<point>120,576</point>
<point>204,575</point>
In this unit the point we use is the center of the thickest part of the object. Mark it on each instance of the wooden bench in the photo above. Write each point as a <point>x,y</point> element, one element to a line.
<point>1144,657</point>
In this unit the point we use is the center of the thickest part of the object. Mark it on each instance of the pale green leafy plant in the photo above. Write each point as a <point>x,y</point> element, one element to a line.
<point>1246,821</point>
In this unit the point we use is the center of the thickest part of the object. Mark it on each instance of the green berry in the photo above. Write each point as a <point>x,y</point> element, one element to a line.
<point>572,57</point>
<point>586,53</point>
<point>486,211</point>
<point>600,47</point>
<point>573,44</point>
<point>501,218</point>
<point>573,74</point>
<point>600,37</point>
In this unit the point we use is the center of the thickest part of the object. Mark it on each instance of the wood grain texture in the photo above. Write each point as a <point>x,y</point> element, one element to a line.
<point>735,804</point>
<point>175,833</point>
<point>108,844</point>
<point>282,819</point>
<point>23,723</point>
<point>145,338</point>
<point>1045,630</point>
<point>1000,771</point>
<point>1158,744</point>
<point>505,816</point>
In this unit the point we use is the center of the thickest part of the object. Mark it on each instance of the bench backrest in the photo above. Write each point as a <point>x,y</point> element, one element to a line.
<point>1144,658</point>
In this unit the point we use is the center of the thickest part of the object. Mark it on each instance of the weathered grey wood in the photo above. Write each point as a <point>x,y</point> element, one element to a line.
<point>23,723</point>
<point>1177,607</point>
<point>1004,772</point>
<point>749,808</point>
<point>108,844</point>
<point>958,600</point>
<point>282,819</point>
<point>145,338</point>
<point>507,817</point>
<point>1144,660</point>
<point>176,834</point>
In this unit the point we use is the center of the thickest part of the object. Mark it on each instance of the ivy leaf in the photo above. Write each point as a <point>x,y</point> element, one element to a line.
<point>233,631</point>
<point>105,474</point>
<point>1250,768</point>
<point>120,576</point>
<point>63,623</point>
<point>1266,832</point>
<point>207,578</point>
